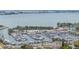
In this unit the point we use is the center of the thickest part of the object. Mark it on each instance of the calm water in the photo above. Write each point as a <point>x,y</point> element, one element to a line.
<point>47,19</point>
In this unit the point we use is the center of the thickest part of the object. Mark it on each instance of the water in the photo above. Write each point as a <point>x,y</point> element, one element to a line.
<point>47,19</point>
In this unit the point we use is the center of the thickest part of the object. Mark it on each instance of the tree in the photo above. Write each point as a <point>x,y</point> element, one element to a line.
<point>1,41</point>
<point>66,46</point>
<point>76,43</point>
<point>25,46</point>
<point>58,24</point>
<point>77,28</point>
<point>63,43</point>
<point>64,24</point>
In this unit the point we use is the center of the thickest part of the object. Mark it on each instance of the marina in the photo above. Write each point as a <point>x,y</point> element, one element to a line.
<point>38,30</point>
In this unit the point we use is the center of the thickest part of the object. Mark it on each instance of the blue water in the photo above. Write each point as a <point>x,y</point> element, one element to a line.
<point>44,19</point>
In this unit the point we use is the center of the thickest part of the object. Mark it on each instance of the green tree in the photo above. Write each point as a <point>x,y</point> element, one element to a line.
<point>25,46</point>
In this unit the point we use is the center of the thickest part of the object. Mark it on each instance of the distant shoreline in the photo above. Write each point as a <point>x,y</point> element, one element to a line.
<point>15,12</point>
